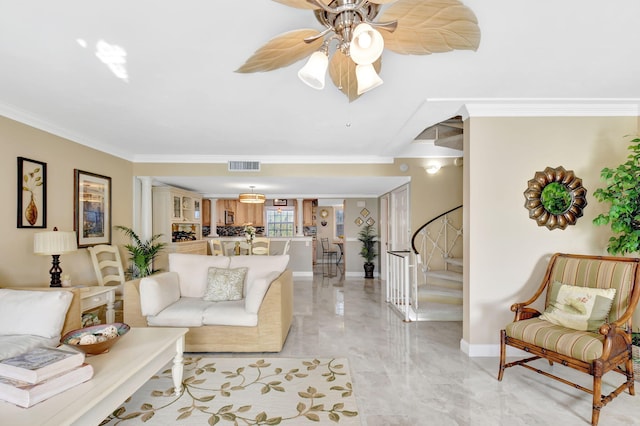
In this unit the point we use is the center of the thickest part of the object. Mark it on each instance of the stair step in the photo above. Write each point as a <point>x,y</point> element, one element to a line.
<point>454,261</point>
<point>447,275</point>
<point>439,295</point>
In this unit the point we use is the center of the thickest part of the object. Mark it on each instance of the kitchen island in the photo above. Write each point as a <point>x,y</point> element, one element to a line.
<point>300,252</point>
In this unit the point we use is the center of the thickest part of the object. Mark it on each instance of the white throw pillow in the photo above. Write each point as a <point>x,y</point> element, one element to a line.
<point>39,313</point>
<point>193,270</point>
<point>225,284</point>
<point>579,308</point>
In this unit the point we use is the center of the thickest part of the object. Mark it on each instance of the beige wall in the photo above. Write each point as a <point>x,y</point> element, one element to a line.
<point>505,250</point>
<point>19,265</point>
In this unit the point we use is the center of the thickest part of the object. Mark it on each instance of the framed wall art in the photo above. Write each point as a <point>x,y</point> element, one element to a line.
<point>279,202</point>
<point>32,193</point>
<point>92,209</point>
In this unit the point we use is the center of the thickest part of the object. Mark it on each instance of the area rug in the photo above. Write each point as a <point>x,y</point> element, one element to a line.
<point>245,391</point>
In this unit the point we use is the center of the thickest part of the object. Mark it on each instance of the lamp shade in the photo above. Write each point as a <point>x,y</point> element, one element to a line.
<point>366,45</point>
<point>367,78</point>
<point>314,71</point>
<point>54,242</point>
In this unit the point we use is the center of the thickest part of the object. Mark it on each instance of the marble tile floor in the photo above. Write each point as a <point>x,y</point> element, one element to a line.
<point>409,374</point>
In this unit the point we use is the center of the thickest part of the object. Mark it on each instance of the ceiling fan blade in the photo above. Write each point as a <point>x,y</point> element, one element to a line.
<point>282,51</point>
<point>343,74</point>
<point>431,27</point>
<point>301,4</point>
<point>381,1</point>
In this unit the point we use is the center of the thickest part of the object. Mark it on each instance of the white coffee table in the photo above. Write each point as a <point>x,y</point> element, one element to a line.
<point>136,357</point>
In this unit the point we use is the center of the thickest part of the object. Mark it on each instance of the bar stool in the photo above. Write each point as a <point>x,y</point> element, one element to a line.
<point>330,255</point>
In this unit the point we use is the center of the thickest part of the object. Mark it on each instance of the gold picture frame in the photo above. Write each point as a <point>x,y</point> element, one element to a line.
<point>359,221</point>
<point>364,212</point>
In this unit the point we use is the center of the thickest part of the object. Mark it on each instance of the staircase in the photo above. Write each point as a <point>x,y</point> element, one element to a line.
<point>426,284</point>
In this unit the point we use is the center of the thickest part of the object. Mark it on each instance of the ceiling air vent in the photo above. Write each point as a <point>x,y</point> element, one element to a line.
<point>244,166</point>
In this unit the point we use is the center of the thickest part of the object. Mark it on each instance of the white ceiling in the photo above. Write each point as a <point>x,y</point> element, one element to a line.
<point>184,102</point>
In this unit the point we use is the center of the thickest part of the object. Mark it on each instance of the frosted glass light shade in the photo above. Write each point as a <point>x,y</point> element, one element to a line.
<point>314,71</point>
<point>54,242</point>
<point>366,44</point>
<point>367,78</point>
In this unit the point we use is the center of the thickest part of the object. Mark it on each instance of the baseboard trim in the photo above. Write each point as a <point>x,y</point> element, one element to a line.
<point>491,350</point>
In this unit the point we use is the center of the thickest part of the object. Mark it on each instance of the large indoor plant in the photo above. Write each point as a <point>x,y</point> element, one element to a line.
<point>367,237</point>
<point>622,192</point>
<point>142,253</point>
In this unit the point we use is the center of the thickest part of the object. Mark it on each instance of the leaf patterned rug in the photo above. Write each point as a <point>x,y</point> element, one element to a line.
<point>245,391</point>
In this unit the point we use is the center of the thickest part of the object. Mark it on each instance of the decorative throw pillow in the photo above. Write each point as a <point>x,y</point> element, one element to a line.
<point>579,308</point>
<point>224,284</point>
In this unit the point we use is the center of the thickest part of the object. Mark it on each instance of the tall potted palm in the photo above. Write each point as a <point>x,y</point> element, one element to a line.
<point>143,253</point>
<point>367,236</point>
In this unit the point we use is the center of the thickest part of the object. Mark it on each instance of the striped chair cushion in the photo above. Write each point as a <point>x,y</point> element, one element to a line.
<point>596,273</point>
<point>582,345</point>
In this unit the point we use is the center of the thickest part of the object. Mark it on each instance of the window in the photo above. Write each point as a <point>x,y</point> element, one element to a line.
<point>280,222</point>
<point>339,213</point>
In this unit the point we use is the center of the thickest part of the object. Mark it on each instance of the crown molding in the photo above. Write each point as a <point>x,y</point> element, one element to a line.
<point>272,159</point>
<point>550,108</point>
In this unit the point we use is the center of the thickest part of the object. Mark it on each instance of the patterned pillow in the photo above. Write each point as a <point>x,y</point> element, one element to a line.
<point>224,284</point>
<point>579,308</point>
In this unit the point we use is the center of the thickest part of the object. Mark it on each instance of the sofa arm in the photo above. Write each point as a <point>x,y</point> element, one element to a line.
<point>158,291</point>
<point>259,288</point>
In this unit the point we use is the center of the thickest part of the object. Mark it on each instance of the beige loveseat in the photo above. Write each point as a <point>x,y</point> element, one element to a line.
<point>259,322</point>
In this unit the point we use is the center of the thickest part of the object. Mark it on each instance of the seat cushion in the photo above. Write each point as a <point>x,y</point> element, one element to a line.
<point>186,312</point>
<point>583,345</point>
<point>229,313</point>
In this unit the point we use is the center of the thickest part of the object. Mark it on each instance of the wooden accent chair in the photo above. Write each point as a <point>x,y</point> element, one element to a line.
<point>605,349</point>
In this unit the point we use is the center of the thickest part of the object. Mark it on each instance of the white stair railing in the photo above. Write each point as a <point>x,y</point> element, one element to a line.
<point>440,239</point>
<point>402,284</point>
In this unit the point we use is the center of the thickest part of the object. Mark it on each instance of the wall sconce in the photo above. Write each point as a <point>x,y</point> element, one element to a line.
<point>432,168</point>
<point>323,223</point>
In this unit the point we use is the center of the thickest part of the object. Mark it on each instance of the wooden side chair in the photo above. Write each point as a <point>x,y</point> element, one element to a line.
<point>107,265</point>
<point>261,246</point>
<point>577,329</point>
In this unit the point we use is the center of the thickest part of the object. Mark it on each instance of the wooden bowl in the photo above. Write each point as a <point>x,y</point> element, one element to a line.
<point>94,348</point>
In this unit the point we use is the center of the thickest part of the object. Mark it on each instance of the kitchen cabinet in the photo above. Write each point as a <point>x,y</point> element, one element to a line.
<point>206,212</point>
<point>177,214</point>
<point>243,212</point>
<point>309,212</point>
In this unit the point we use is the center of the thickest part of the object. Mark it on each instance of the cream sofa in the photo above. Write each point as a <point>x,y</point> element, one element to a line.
<point>34,317</point>
<point>259,322</point>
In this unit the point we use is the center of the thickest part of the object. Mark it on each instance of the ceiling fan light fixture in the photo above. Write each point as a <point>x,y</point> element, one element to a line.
<point>367,78</point>
<point>366,45</point>
<point>313,73</point>
<point>251,197</point>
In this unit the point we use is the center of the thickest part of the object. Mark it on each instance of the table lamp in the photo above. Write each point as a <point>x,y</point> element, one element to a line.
<point>54,243</point>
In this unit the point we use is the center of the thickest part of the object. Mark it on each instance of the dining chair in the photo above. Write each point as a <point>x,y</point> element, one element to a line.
<point>216,247</point>
<point>261,245</point>
<point>287,244</point>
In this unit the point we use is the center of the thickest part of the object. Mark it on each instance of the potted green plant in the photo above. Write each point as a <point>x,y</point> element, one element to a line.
<point>367,236</point>
<point>622,191</point>
<point>142,253</point>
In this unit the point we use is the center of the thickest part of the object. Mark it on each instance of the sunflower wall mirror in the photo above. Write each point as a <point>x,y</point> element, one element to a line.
<point>555,198</point>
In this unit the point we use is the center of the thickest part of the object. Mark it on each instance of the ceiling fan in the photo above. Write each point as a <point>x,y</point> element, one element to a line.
<point>412,27</point>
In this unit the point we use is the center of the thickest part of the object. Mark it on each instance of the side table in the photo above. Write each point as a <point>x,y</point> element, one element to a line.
<point>94,296</point>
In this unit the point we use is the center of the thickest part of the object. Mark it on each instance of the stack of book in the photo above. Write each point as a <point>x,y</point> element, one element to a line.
<point>41,373</point>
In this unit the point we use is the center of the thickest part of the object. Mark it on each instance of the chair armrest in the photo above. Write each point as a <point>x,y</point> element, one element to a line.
<point>158,291</point>
<point>523,313</point>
